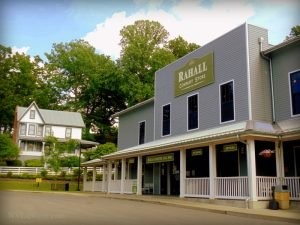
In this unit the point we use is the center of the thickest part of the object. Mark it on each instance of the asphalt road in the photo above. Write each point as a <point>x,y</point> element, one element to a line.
<point>20,208</point>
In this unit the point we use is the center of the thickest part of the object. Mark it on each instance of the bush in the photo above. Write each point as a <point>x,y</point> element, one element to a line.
<point>33,163</point>
<point>14,162</point>
<point>9,174</point>
<point>99,177</point>
<point>43,173</point>
<point>3,163</point>
<point>63,174</point>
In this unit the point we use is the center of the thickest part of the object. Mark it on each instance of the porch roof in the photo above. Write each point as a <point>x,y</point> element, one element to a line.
<point>217,133</point>
<point>93,162</point>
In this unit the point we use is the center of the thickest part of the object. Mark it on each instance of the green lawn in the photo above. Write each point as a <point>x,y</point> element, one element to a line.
<point>31,185</point>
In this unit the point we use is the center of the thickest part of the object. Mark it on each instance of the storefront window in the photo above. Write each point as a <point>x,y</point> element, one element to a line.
<point>265,163</point>
<point>166,124</point>
<point>226,101</point>
<point>291,157</point>
<point>295,92</point>
<point>193,112</point>
<point>197,162</point>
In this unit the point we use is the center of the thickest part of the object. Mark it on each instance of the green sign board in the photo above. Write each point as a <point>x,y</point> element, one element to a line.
<point>230,148</point>
<point>160,158</point>
<point>197,152</point>
<point>195,74</point>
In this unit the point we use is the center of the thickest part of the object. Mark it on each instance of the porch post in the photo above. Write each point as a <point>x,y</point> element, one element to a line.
<point>123,172</point>
<point>94,178</point>
<point>279,159</point>
<point>116,170</point>
<point>109,176</point>
<point>104,178</point>
<point>182,172</point>
<point>84,177</point>
<point>212,170</point>
<point>139,175</point>
<point>251,171</point>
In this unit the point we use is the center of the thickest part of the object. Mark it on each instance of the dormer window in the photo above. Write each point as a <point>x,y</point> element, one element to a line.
<point>32,114</point>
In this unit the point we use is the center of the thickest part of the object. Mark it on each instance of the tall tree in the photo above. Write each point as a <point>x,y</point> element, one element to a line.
<point>20,83</point>
<point>180,47</point>
<point>139,42</point>
<point>295,31</point>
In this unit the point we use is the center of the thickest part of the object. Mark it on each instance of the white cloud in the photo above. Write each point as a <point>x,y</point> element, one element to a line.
<point>21,50</point>
<point>193,21</point>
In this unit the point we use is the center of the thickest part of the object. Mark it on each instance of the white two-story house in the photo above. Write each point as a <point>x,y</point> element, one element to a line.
<point>32,125</point>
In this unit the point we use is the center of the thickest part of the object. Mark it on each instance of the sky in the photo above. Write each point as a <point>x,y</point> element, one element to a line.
<point>33,26</point>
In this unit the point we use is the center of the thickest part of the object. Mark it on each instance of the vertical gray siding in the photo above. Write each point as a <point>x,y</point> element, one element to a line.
<point>284,61</point>
<point>230,63</point>
<point>129,126</point>
<point>259,75</point>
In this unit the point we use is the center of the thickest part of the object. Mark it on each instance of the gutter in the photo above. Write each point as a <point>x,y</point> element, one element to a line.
<point>260,41</point>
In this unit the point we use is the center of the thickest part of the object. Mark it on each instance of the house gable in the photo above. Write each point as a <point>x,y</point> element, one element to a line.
<point>31,115</point>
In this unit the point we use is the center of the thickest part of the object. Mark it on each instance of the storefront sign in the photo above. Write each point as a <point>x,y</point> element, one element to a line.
<point>131,160</point>
<point>197,152</point>
<point>160,158</point>
<point>196,73</point>
<point>230,148</point>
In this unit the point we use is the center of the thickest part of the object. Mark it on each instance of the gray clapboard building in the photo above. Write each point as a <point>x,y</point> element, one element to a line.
<point>224,123</point>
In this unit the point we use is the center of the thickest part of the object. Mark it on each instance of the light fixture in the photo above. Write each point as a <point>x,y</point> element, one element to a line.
<point>266,153</point>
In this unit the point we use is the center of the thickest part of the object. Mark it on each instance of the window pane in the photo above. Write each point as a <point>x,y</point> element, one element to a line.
<point>68,132</point>
<point>193,112</point>
<point>166,120</point>
<point>39,130</point>
<point>227,105</point>
<point>31,130</point>
<point>32,114</point>
<point>142,133</point>
<point>23,129</point>
<point>295,92</point>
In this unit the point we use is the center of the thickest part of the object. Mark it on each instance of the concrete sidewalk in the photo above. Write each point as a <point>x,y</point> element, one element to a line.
<point>288,215</point>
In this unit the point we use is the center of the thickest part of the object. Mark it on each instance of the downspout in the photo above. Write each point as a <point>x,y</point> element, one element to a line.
<point>260,41</point>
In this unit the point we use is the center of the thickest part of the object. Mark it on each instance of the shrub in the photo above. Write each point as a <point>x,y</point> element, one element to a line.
<point>43,173</point>
<point>99,177</point>
<point>63,174</point>
<point>3,163</point>
<point>14,162</point>
<point>9,174</point>
<point>33,163</point>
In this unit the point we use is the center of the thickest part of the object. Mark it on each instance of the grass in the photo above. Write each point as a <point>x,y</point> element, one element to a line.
<point>31,185</point>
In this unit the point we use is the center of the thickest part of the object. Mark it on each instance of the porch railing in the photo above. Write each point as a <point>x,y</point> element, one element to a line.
<point>231,187</point>
<point>197,187</point>
<point>128,186</point>
<point>293,184</point>
<point>264,187</point>
<point>115,186</point>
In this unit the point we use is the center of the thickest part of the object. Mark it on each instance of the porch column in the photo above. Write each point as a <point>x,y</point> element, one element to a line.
<point>139,175</point>
<point>94,178</point>
<point>104,178</point>
<point>212,170</point>
<point>123,173</point>
<point>251,164</point>
<point>116,170</point>
<point>182,172</point>
<point>279,159</point>
<point>84,177</point>
<point>109,176</point>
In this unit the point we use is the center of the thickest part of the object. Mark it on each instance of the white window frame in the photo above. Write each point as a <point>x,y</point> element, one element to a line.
<point>50,132</point>
<point>39,130</point>
<point>25,130</point>
<point>162,120</point>
<point>290,92</point>
<point>32,114</point>
<point>233,94</point>
<point>187,111</point>
<point>143,121</point>
<point>34,133</point>
<point>70,129</point>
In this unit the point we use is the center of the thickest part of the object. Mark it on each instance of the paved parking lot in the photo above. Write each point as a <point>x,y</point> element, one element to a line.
<point>66,208</point>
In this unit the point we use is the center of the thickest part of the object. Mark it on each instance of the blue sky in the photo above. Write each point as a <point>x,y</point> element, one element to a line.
<point>32,26</point>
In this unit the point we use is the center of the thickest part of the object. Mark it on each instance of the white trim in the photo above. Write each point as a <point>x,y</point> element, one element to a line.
<point>248,73</point>
<point>187,111</point>
<point>162,118</point>
<point>233,95</point>
<point>142,121</point>
<point>290,92</point>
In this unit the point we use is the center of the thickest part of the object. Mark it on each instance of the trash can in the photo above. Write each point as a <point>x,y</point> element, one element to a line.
<point>66,186</point>
<point>282,196</point>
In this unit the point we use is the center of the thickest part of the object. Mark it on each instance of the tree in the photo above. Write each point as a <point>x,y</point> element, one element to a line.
<point>101,150</point>
<point>180,47</point>
<point>295,31</point>
<point>21,83</point>
<point>54,152</point>
<point>8,149</point>
<point>139,41</point>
